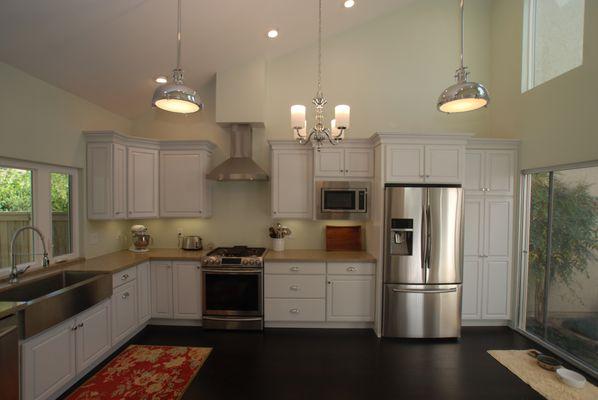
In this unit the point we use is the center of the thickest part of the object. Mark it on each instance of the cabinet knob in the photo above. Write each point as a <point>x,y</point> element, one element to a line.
<point>294,311</point>
<point>427,176</point>
<point>295,269</point>
<point>351,269</point>
<point>294,287</point>
<point>125,295</point>
<point>80,325</point>
<point>124,277</point>
<point>74,328</point>
<point>346,170</point>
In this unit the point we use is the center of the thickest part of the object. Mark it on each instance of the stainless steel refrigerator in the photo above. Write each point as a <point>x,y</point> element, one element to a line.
<point>423,261</point>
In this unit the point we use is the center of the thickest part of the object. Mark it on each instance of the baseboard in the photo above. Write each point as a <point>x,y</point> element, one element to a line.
<point>320,325</point>
<point>499,322</point>
<point>174,322</point>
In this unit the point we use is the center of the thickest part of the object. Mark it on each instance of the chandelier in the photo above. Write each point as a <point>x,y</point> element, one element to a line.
<point>320,133</point>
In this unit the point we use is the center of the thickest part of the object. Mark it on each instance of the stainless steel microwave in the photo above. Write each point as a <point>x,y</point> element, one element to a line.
<point>342,200</point>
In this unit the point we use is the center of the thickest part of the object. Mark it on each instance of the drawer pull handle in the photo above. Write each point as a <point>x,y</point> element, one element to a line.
<point>124,277</point>
<point>294,287</point>
<point>74,328</point>
<point>351,269</point>
<point>425,291</point>
<point>80,325</point>
<point>295,269</point>
<point>125,295</point>
<point>294,311</point>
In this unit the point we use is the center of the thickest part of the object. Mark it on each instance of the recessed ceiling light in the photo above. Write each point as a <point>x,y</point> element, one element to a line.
<point>161,79</point>
<point>272,33</point>
<point>349,3</point>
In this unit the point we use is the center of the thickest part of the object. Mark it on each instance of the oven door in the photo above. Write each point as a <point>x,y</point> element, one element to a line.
<point>232,291</point>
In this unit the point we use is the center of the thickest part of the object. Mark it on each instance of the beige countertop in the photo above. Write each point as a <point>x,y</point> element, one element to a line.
<point>319,255</point>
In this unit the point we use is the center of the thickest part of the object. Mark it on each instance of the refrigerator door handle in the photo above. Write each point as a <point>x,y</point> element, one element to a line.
<point>424,241</point>
<point>428,236</point>
<point>425,291</point>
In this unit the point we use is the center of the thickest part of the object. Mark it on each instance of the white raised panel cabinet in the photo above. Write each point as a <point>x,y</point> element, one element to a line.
<point>359,162</point>
<point>490,172</point>
<point>93,335</point>
<point>350,298</point>
<point>48,361</point>
<point>474,226</point>
<point>183,184</point>
<point>405,163</point>
<point>292,183</point>
<point>498,221</point>
<point>106,181</point>
<point>142,184</point>
<point>144,292</point>
<point>496,289</point>
<point>161,281</point>
<point>444,164</point>
<point>472,285</point>
<point>330,162</point>
<point>186,278</point>
<point>124,311</point>
<point>474,172</point>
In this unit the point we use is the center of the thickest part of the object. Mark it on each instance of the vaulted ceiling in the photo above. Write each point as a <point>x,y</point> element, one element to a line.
<point>109,51</point>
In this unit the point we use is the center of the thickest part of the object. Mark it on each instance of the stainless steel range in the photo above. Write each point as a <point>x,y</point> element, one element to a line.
<point>232,286</point>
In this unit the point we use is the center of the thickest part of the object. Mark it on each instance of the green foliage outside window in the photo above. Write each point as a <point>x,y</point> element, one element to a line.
<point>15,190</point>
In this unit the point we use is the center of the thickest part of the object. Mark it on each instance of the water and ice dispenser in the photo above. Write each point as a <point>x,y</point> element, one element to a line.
<point>401,236</point>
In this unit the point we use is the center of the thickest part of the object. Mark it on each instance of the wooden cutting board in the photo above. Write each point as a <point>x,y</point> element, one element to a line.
<point>343,238</point>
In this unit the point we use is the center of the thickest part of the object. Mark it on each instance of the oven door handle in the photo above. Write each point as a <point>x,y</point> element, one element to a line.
<point>232,271</point>
<point>232,319</point>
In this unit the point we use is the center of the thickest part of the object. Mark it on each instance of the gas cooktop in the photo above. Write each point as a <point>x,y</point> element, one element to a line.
<point>235,256</point>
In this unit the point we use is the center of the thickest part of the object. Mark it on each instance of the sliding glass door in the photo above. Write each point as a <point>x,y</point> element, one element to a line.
<point>560,260</point>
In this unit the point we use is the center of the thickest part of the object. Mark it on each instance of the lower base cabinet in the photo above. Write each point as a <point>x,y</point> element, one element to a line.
<point>53,358</point>
<point>176,289</point>
<point>124,311</point>
<point>350,298</point>
<point>486,289</point>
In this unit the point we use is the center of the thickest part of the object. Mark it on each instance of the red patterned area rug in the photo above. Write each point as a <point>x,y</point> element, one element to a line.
<point>145,372</point>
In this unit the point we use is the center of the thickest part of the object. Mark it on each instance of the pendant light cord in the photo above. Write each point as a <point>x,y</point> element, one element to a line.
<point>178,38</point>
<point>319,47</point>
<point>461,5</point>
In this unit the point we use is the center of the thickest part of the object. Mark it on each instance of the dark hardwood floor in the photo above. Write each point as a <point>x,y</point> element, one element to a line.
<point>348,364</point>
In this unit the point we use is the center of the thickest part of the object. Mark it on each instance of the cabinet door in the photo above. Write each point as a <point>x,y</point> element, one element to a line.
<point>161,279</point>
<point>330,162</point>
<point>444,164</point>
<point>359,163</point>
<point>186,290</point>
<point>143,292</point>
<point>472,285</point>
<point>292,184</point>
<point>498,220</point>
<point>93,335</point>
<point>124,311</point>
<point>119,187</point>
<point>473,237</point>
<point>99,181</point>
<point>474,172</point>
<point>181,184</point>
<point>500,172</point>
<point>142,165</point>
<point>497,293</point>
<point>405,163</point>
<point>350,298</point>
<point>48,361</point>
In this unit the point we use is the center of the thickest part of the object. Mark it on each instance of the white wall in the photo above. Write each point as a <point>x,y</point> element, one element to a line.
<point>42,123</point>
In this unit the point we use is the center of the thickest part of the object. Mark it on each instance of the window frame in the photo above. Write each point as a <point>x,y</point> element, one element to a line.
<point>42,210</point>
<point>519,321</point>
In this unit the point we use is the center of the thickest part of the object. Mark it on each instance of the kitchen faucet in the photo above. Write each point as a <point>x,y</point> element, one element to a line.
<point>14,272</point>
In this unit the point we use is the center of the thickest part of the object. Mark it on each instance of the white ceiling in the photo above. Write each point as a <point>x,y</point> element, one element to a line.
<point>109,51</point>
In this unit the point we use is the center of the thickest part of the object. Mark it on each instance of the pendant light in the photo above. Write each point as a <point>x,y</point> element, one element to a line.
<point>176,97</point>
<point>463,96</point>
<point>320,133</point>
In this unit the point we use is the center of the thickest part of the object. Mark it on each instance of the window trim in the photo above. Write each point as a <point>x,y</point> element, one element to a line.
<point>42,209</point>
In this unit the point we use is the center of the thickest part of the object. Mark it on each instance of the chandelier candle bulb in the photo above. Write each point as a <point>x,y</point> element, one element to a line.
<point>342,114</point>
<point>297,116</point>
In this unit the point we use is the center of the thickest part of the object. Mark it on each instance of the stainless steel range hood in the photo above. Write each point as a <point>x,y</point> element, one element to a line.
<point>240,166</point>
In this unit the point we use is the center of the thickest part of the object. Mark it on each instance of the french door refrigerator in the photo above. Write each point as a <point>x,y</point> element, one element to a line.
<point>423,261</point>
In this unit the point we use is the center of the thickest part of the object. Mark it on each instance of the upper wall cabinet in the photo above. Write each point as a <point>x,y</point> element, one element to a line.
<point>415,163</point>
<point>140,178</point>
<point>349,162</point>
<point>184,189</point>
<point>142,184</point>
<point>490,171</point>
<point>291,181</point>
<point>106,181</point>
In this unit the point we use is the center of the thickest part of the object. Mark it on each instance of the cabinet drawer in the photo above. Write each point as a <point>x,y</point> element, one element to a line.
<point>300,286</point>
<point>123,277</point>
<point>313,310</point>
<point>298,268</point>
<point>348,268</point>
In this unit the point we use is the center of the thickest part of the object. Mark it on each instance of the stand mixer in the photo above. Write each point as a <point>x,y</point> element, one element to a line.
<point>140,239</point>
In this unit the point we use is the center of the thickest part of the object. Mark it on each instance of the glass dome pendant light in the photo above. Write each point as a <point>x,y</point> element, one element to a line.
<point>463,96</point>
<point>176,97</point>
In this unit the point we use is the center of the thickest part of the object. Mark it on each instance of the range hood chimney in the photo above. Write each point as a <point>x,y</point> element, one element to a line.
<point>240,166</point>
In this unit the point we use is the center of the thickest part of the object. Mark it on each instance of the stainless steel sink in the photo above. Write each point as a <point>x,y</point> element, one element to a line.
<point>54,298</point>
